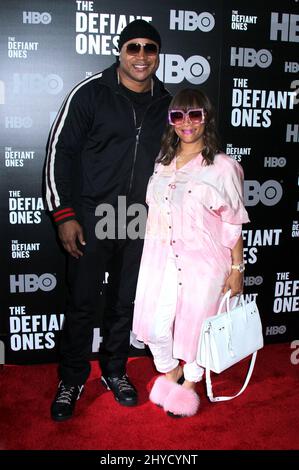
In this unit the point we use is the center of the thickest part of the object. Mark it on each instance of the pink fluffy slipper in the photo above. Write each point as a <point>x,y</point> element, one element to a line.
<point>161,388</point>
<point>181,402</point>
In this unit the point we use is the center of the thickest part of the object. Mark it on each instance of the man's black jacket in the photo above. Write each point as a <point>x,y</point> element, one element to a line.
<point>95,153</point>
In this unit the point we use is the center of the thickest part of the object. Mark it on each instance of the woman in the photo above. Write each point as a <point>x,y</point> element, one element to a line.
<point>193,250</point>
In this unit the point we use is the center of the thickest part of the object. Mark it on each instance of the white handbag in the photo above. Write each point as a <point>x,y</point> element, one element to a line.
<point>227,338</point>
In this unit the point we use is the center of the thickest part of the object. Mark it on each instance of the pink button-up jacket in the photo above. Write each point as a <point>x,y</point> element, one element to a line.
<point>198,211</point>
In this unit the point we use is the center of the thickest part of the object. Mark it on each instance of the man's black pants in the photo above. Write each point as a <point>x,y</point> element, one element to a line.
<point>85,277</point>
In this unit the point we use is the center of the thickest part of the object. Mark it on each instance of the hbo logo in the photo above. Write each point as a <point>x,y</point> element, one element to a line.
<point>273,162</point>
<point>174,68</point>
<point>35,83</point>
<point>269,193</point>
<point>190,21</point>
<point>34,17</point>
<point>292,67</point>
<point>32,282</point>
<point>253,281</point>
<point>275,330</point>
<point>245,57</point>
<point>17,122</point>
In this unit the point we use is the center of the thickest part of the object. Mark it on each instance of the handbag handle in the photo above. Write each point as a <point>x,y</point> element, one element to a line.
<point>226,298</point>
<point>208,376</point>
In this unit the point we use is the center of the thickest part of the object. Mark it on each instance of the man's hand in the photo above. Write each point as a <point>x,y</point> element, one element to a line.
<point>69,232</point>
<point>234,282</point>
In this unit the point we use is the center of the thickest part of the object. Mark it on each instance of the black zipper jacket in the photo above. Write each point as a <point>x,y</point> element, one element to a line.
<point>94,151</point>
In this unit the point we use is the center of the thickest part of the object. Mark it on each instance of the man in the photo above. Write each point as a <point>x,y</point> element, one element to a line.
<point>103,145</point>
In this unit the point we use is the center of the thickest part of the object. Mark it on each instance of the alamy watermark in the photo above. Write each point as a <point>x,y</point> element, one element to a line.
<point>295,354</point>
<point>2,352</point>
<point>134,222</point>
<point>113,223</point>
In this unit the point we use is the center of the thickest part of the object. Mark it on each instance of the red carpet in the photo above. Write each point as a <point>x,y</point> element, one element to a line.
<point>266,416</point>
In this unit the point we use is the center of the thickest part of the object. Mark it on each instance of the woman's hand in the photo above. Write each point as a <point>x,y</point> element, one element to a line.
<point>234,282</point>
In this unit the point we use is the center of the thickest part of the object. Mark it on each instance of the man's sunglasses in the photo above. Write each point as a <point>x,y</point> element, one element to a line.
<point>133,48</point>
<point>178,116</point>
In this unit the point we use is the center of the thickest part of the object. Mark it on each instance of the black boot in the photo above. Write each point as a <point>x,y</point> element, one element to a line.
<point>64,403</point>
<point>123,390</point>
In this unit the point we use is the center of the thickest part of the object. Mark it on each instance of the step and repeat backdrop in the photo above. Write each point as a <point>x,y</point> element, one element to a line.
<point>243,54</point>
